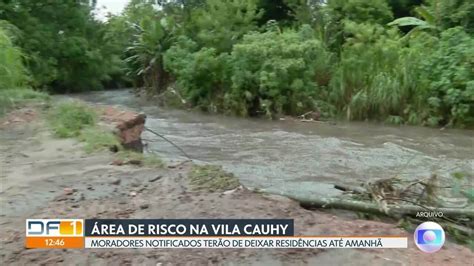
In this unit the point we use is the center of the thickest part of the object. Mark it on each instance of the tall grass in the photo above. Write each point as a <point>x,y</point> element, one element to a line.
<point>376,76</point>
<point>68,119</point>
<point>12,71</point>
<point>13,74</point>
<point>10,98</point>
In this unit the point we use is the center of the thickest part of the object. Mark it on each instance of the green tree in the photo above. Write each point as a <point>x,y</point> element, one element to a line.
<point>276,72</point>
<point>377,75</point>
<point>202,75</point>
<point>361,11</point>
<point>153,38</point>
<point>449,77</point>
<point>12,72</point>
<point>452,13</point>
<point>277,10</point>
<point>222,23</point>
<point>65,45</point>
<point>440,15</point>
<point>403,8</point>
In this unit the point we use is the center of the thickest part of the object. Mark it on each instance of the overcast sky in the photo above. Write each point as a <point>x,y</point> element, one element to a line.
<point>112,6</point>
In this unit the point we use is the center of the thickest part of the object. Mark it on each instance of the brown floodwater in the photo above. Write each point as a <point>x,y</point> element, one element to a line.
<point>295,157</point>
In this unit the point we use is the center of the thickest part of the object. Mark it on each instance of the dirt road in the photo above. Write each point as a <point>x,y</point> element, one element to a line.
<point>44,177</point>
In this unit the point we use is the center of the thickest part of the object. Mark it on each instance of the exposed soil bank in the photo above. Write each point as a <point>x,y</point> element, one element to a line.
<point>44,177</point>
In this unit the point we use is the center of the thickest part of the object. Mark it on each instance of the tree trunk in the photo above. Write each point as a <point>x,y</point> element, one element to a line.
<point>393,210</point>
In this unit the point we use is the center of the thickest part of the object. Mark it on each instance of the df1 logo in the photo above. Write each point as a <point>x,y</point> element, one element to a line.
<point>429,237</point>
<point>54,227</point>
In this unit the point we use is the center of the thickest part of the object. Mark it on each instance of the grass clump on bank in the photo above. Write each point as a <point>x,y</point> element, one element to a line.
<point>74,119</point>
<point>77,120</point>
<point>96,139</point>
<point>68,119</point>
<point>132,157</point>
<point>12,98</point>
<point>212,178</point>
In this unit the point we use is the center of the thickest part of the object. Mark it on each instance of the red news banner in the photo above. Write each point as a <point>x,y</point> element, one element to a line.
<point>188,233</point>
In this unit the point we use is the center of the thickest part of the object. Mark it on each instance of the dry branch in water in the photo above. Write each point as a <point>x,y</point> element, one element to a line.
<point>369,207</point>
<point>393,197</point>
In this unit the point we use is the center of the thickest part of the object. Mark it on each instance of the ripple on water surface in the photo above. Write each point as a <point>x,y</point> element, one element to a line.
<point>281,155</point>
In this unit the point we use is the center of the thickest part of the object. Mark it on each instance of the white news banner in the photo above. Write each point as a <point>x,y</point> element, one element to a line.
<point>247,242</point>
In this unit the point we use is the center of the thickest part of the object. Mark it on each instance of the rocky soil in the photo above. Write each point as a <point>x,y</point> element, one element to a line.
<point>44,177</point>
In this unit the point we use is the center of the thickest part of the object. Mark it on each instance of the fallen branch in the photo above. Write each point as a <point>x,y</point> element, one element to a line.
<point>462,229</point>
<point>347,188</point>
<point>311,121</point>
<point>303,116</point>
<point>392,210</point>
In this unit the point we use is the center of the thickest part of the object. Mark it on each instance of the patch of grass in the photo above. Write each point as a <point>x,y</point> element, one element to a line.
<point>469,194</point>
<point>12,98</point>
<point>153,161</point>
<point>394,120</point>
<point>126,155</point>
<point>460,185</point>
<point>470,244</point>
<point>69,118</point>
<point>212,178</point>
<point>132,157</point>
<point>405,224</point>
<point>96,139</point>
<point>459,236</point>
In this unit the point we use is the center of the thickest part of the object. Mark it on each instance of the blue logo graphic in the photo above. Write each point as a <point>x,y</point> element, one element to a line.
<point>429,237</point>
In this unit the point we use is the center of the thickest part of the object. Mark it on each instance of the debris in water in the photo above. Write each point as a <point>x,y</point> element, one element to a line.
<point>156,178</point>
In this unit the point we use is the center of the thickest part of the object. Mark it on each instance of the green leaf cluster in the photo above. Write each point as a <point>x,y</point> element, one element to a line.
<point>201,74</point>
<point>68,119</point>
<point>13,73</point>
<point>448,72</point>
<point>65,46</point>
<point>376,76</point>
<point>277,72</point>
<point>403,62</point>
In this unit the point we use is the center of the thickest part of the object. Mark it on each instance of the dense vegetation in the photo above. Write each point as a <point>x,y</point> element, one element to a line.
<point>13,74</point>
<point>409,61</point>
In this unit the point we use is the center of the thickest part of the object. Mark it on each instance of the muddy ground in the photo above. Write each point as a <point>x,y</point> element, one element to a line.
<point>44,177</point>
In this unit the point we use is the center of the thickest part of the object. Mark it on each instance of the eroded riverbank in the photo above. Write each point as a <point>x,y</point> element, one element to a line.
<point>293,157</point>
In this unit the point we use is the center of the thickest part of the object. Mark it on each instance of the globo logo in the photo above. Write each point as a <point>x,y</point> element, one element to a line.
<point>429,237</point>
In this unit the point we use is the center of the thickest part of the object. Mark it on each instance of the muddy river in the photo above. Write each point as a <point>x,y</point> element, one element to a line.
<point>295,157</point>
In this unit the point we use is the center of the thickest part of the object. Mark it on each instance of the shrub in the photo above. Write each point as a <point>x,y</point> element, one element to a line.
<point>13,75</point>
<point>377,75</point>
<point>201,75</point>
<point>222,23</point>
<point>449,75</point>
<point>65,45</point>
<point>374,11</point>
<point>154,36</point>
<point>276,72</point>
<point>11,98</point>
<point>12,71</point>
<point>69,118</point>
